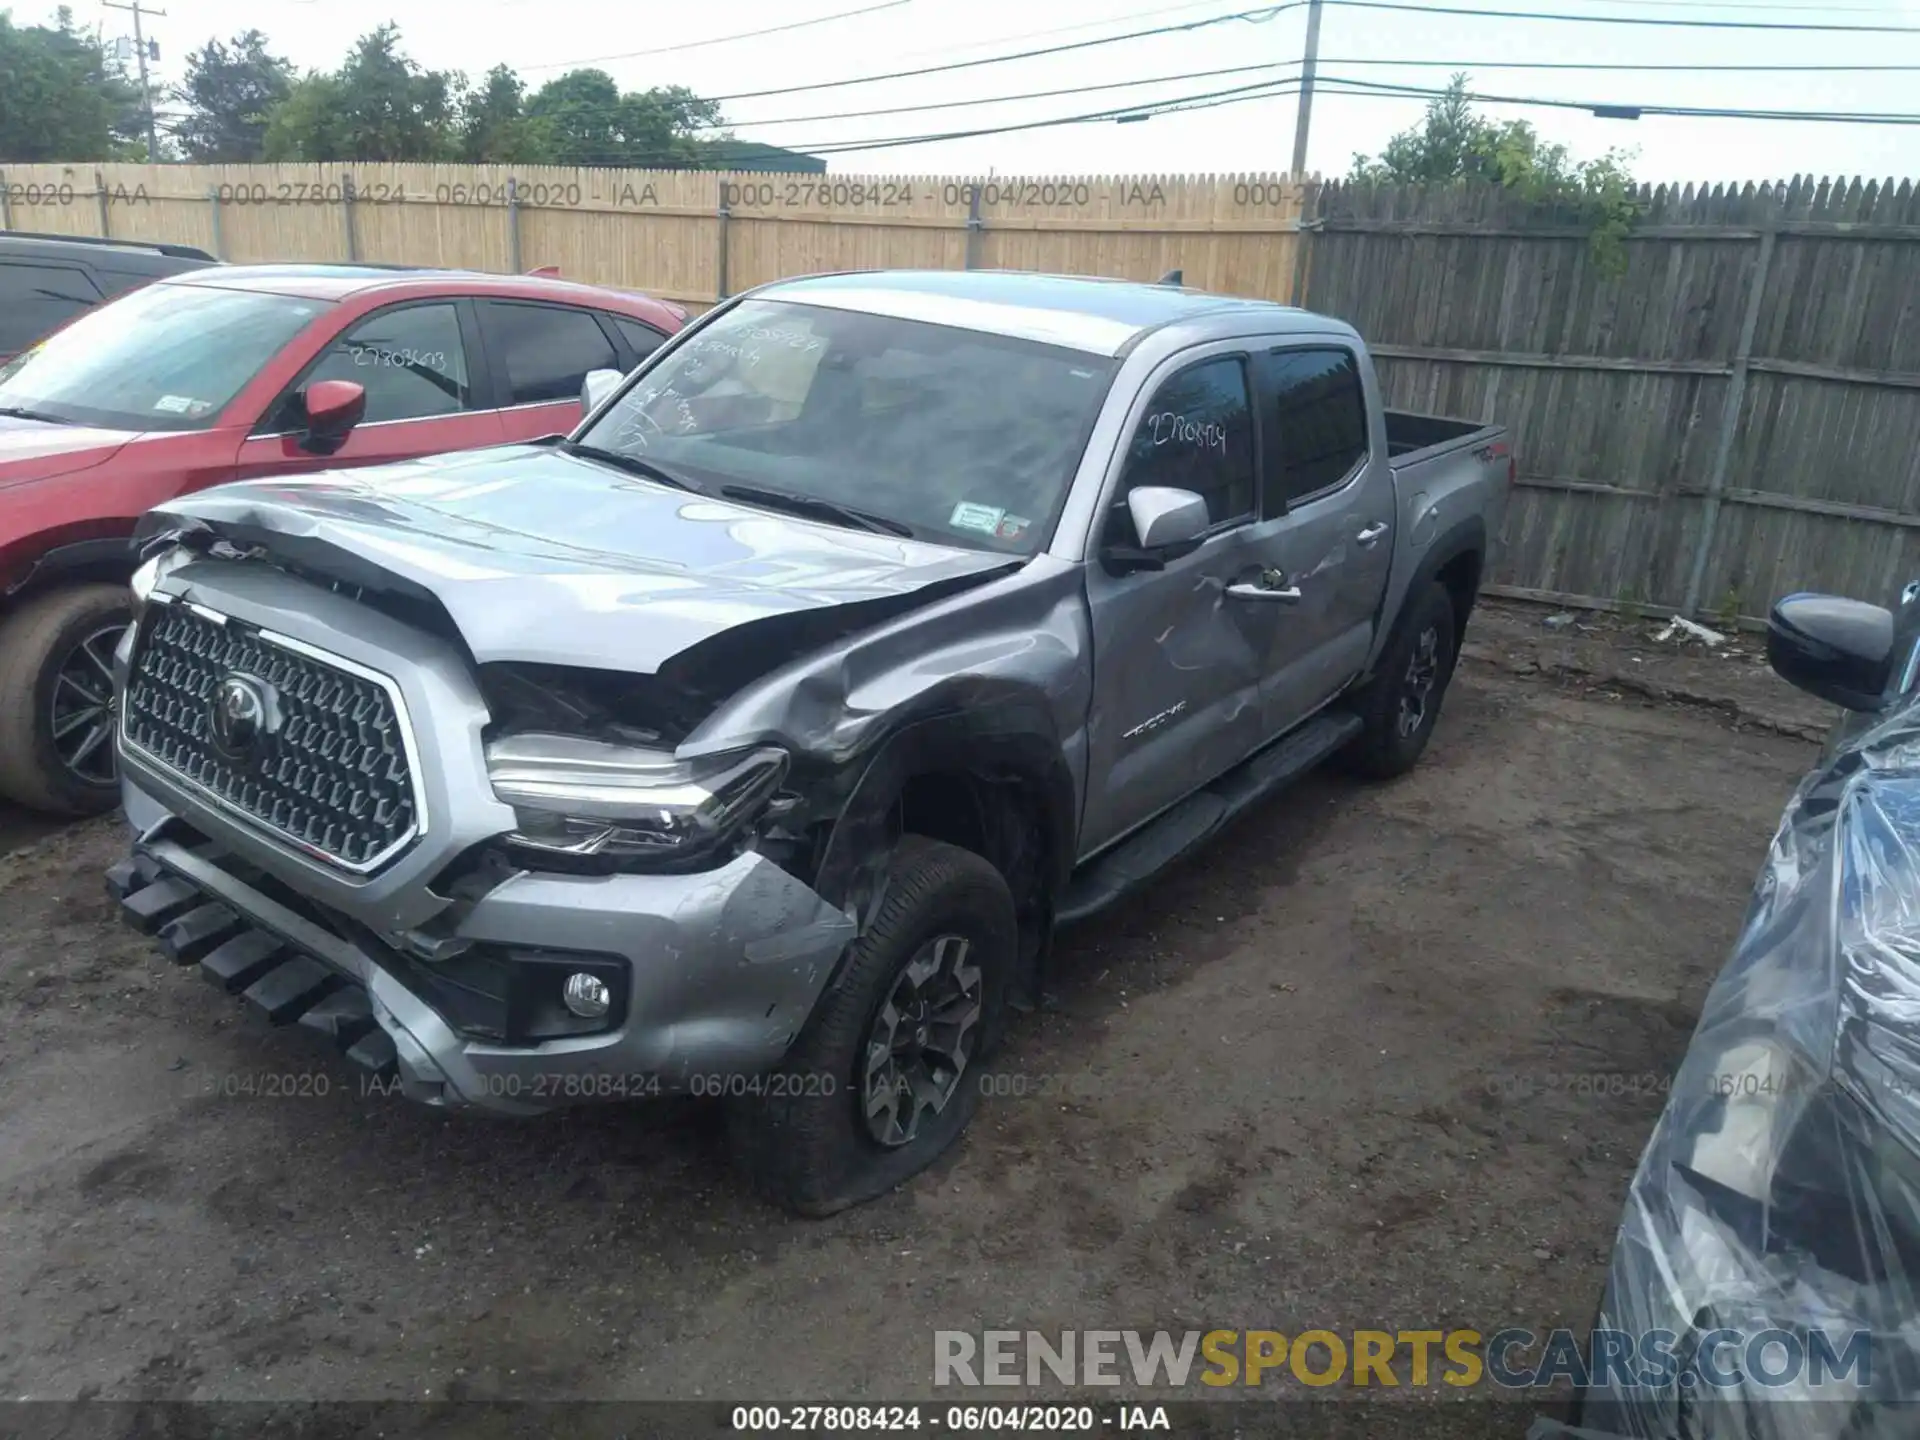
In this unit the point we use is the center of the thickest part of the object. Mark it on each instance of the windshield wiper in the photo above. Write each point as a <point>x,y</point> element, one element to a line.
<point>632,464</point>
<point>20,412</point>
<point>817,509</point>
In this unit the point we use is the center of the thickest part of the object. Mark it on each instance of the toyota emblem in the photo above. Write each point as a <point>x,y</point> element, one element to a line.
<point>242,712</point>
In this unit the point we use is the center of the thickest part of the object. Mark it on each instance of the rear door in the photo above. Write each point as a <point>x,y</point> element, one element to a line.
<point>1327,506</point>
<point>540,352</point>
<point>36,299</point>
<point>427,393</point>
<point>1177,662</point>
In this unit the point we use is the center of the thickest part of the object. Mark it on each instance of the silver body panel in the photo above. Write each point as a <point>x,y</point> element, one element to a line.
<point>1142,687</point>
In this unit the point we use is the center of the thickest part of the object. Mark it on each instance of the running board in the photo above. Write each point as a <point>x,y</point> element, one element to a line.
<point>1182,829</point>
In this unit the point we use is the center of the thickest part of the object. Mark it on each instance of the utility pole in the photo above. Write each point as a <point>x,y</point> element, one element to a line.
<point>1305,122</point>
<point>140,50</point>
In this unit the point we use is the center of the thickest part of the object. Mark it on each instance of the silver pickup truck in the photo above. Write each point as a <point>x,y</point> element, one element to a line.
<point>754,740</point>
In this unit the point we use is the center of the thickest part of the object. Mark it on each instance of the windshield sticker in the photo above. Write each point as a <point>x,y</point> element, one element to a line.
<point>1169,427</point>
<point>179,405</point>
<point>970,516</point>
<point>1011,527</point>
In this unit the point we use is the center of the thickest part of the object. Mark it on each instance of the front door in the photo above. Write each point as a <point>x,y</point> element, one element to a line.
<point>419,372</point>
<point>1177,660</point>
<point>1327,503</point>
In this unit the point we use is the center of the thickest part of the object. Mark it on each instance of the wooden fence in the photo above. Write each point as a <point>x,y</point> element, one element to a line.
<point>689,236</point>
<point>1732,415</point>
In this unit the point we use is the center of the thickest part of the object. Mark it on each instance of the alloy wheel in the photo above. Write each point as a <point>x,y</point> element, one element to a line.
<point>1416,691</point>
<point>921,1040</point>
<point>83,707</point>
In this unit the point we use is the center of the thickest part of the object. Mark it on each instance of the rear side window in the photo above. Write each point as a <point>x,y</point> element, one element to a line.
<point>546,350</point>
<point>1197,435</point>
<point>642,339</point>
<point>1318,412</point>
<point>35,299</point>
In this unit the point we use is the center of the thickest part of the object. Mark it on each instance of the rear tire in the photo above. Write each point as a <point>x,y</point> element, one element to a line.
<point>56,734</point>
<point>924,986</point>
<point>1399,707</point>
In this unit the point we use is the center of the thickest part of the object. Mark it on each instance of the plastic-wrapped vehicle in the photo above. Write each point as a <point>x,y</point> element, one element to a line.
<point>1780,1194</point>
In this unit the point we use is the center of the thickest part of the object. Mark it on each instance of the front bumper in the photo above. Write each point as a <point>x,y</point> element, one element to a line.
<point>723,968</point>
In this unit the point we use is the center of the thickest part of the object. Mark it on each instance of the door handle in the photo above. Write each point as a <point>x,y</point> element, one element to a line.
<point>1371,535</point>
<point>1273,594</point>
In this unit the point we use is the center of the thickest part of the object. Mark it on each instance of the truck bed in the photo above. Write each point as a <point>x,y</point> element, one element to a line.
<point>1413,437</point>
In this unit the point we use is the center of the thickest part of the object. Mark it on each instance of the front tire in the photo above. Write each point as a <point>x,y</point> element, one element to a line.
<point>886,1074</point>
<point>1399,707</point>
<point>56,699</point>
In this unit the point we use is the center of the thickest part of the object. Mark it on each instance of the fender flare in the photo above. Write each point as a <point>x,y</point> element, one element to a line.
<point>1466,536</point>
<point>1007,740</point>
<point>112,555</point>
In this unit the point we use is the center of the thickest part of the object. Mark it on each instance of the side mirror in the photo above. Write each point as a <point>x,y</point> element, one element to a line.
<point>1168,523</point>
<point>598,385</point>
<point>1840,650</point>
<point>333,408</point>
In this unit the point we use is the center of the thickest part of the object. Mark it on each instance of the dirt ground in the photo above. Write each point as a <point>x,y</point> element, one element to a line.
<point>1314,1079</point>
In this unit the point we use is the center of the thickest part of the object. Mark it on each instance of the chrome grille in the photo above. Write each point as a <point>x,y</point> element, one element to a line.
<point>331,774</point>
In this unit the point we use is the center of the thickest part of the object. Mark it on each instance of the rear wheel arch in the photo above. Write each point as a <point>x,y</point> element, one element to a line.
<point>1458,561</point>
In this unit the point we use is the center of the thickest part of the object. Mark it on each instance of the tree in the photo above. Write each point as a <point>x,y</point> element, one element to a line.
<point>581,118</point>
<point>379,105</point>
<point>493,124</point>
<point>1454,144</point>
<point>230,92</point>
<point>64,100</point>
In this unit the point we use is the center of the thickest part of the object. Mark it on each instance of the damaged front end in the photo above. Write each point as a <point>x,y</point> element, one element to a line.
<point>501,809</point>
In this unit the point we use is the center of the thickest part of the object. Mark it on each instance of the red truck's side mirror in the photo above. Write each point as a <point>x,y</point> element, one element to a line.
<point>334,407</point>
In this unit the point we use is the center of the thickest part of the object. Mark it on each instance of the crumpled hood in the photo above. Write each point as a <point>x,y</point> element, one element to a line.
<point>546,557</point>
<point>36,450</point>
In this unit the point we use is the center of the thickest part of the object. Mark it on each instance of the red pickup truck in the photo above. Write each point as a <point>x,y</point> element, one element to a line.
<point>239,372</point>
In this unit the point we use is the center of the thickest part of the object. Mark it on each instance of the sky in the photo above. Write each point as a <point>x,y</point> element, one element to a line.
<point>633,42</point>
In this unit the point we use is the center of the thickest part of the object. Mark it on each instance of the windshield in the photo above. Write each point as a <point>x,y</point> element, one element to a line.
<point>961,437</point>
<point>167,357</point>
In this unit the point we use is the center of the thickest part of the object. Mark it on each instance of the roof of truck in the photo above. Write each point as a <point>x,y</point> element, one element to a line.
<point>1078,311</point>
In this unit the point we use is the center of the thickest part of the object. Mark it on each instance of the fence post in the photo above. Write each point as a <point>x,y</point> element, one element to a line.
<point>1303,232</point>
<point>6,205</point>
<point>1730,416</point>
<point>513,225</point>
<point>974,226</point>
<point>213,210</point>
<point>721,290</point>
<point>100,194</point>
<point>346,214</point>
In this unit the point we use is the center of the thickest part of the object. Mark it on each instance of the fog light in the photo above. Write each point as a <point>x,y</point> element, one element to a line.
<point>587,995</point>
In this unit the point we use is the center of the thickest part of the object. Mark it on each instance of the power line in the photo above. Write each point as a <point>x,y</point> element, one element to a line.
<point>1345,85</point>
<point>1401,5</point>
<point>1257,17</point>
<point>1617,110</point>
<point>1009,99</point>
<point>721,39</point>
<point>1471,65</point>
<point>1067,29</point>
<point>1452,65</point>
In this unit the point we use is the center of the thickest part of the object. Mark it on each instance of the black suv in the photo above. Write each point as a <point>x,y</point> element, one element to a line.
<point>45,280</point>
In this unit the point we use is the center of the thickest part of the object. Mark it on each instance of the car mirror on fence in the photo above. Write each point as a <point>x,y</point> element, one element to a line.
<point>598,385</point>
<point>334,407</point>
<point>1838,649</point>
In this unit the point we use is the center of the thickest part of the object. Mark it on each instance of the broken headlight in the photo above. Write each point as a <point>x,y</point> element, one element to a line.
<point>156,569</point>
<point>574,796</point>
